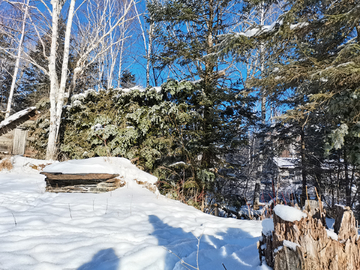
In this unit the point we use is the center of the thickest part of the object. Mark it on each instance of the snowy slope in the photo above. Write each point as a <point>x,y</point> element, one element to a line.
<point>130,228</point>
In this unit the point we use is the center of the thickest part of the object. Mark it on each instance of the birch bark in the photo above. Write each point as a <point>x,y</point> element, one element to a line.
<point>57,90</point>
<point>17,63</point>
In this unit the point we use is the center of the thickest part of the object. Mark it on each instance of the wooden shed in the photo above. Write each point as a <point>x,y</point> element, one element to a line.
<point>14,132</point>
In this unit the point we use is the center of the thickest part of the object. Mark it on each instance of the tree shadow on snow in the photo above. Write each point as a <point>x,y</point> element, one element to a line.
<point>235,248</point>
<point>105,259</point>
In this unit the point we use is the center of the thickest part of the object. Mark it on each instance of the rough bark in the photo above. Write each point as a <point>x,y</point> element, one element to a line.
<point>311,247</point>
<point>256,199</point>
<point>303,166</point>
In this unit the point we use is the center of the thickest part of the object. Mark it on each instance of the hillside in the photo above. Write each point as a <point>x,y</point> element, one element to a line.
<point>130,228</point>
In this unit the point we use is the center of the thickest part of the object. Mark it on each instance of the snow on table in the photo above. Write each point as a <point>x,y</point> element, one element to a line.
<point>130,228</point>
<point>289,213</point>
<point>110,165</point>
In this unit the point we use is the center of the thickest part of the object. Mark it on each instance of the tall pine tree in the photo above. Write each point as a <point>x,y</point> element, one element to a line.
<point>190,33</point>
<point>316,63</point>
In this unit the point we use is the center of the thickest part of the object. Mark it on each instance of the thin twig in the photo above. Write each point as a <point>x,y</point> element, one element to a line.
<point>70,211</point>
<point>320,203</point>
<point>14,218</point>
<point>182,261</point>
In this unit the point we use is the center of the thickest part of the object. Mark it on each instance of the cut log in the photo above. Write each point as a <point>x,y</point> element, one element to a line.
<point>307,244</point>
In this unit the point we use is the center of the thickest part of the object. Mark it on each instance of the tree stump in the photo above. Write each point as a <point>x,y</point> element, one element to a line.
<point>306,244</point>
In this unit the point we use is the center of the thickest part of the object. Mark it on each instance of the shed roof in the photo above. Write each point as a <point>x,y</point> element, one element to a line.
<point>14,120</point>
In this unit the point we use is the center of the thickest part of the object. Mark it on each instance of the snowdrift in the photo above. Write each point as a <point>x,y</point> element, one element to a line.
<point>130,228</point>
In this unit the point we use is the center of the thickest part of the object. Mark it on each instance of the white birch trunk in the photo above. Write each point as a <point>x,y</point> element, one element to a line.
<point>57,91</point>
<point>120,63</point>
<point>17,63</point>
<point>149,52</point>
<point>54,85</point>
<point>64,69</point>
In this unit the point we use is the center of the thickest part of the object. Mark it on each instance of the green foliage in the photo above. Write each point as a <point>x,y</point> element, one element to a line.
<point>161,131</point>
<point>313,73</point>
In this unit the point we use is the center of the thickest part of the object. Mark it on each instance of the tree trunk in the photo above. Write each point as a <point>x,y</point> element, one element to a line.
<point>256,199</point>
<point>57,91</point>
<point>149,52</point>
<point>347,179</point>
<point>303,166</point>
<point>308,245</point>
<point>17,62</point>
<point>54,85</point>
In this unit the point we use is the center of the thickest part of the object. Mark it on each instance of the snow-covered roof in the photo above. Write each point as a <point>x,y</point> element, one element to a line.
<point>285,162</point>
<point>16,116</point>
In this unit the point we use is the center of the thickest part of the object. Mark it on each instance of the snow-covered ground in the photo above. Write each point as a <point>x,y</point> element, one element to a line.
<point>130,228</point>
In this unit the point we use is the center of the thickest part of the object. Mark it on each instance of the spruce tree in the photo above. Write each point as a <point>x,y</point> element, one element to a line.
<point>190,33</point>
<point>315,71</point>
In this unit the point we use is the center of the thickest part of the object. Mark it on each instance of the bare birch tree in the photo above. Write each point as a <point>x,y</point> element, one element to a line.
<point>17,62</point>
<point>93,28</point>
<point>99,35</point>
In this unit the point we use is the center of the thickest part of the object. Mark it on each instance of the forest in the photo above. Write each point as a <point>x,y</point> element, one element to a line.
<point>227,102</point>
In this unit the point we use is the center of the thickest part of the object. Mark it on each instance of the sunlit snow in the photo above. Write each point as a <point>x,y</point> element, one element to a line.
<point>288,213</point>
<point>130,228</point>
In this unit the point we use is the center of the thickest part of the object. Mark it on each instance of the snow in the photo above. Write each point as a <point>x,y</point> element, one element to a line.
<point>332,234</point>
<point>137,87</point>
<point>258,30</point>
<point>278,249</point>
<point>179,163</point>
<point>261,29</point>
<point>289,213</point>
<point>157,89</point>
<point>97,127</point>
<point>129,228</point>
<point>285,162</point>
<point>16,116</point>
<point>267,226</point>
<point>298,25</point>
<point>290,245</point>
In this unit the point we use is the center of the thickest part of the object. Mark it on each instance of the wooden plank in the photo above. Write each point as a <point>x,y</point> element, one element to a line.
<point>19,142</point>
<point>89,186</point>
<point>79,176</point>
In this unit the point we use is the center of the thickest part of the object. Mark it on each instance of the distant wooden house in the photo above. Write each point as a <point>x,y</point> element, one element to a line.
<point>281,174</point>
<point>14,132</point>
<point>282,170</point>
